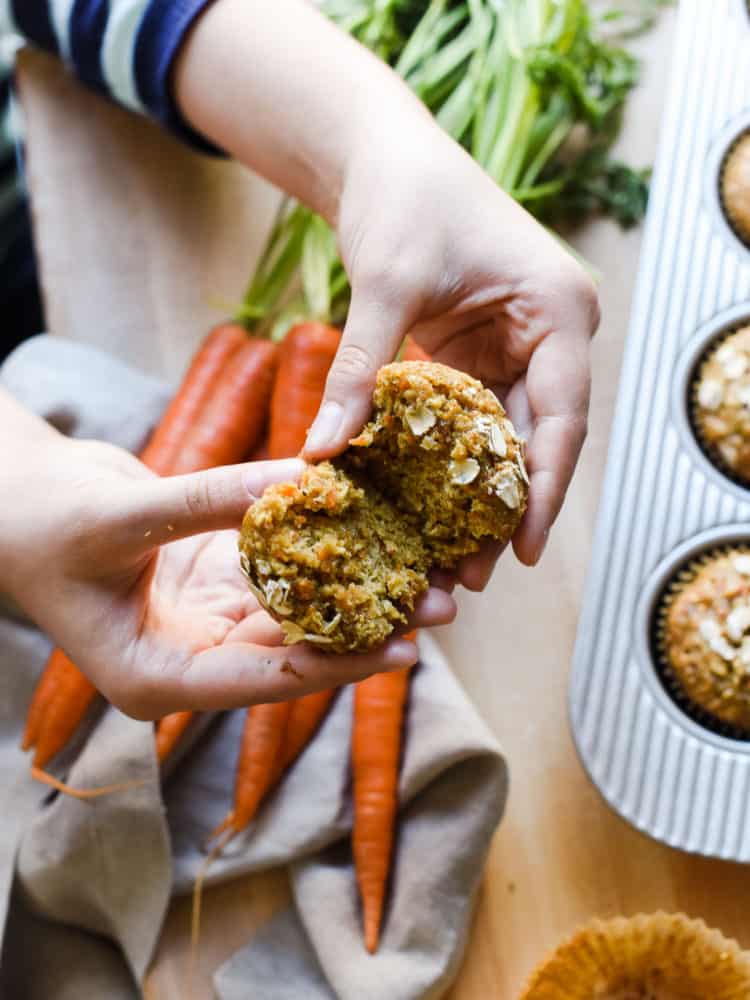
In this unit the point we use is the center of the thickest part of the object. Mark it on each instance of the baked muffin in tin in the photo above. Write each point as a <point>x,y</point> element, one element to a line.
<point>720,404</point>
<point>702,640</point>
<point>734,186</point>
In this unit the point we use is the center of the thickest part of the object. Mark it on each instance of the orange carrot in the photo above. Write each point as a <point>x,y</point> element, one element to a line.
<point>60,701</point>
<point>169,730</point>
<point>413,352</point>
<point>305,716</point>
<point>163,448</point>
<point>379,703</point>
<point>44,691</point>
<point>216,417</point>
<point>234,415</point>
<point>262,740</point>
<point>305,356</point>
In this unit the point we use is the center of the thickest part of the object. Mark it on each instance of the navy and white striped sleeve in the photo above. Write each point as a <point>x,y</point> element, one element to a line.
<point>122,48</point>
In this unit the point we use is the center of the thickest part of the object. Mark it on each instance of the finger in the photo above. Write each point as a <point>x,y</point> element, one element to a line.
<point>443,579</point>
<point>237,674</point>
<point>373,334</point>
<point>474,571</point>
<point>436,607</point>
<point>157,511</point>
<point>558,389</point>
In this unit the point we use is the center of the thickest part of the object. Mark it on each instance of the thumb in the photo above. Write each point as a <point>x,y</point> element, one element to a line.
<point>158,511</point>
<point>372,336</point>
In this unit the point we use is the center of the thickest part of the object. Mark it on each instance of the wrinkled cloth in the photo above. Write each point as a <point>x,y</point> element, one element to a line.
<point>90,882</point>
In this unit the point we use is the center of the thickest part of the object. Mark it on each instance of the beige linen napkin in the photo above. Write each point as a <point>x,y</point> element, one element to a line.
<point>90,875</point>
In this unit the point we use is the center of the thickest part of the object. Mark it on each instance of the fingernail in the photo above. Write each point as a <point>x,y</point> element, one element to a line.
<point>261,474</point>
<point>325,428</point>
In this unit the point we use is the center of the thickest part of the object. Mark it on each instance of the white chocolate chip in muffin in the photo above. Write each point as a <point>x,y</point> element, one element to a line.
<point>710,394</point>
<point>742,564</point>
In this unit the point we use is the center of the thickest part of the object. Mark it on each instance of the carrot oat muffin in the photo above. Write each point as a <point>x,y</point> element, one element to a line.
<point>340,558</point>
<point>735,186</point>
<point>330,562</point>
<point>658,957</point>
<point>721,403</point>
<point>706,638</point>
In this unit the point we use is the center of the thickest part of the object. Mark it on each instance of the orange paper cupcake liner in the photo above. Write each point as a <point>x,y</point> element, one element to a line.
<point>647,957</point>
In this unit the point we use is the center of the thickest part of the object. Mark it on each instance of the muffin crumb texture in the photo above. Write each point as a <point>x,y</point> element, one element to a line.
<point>735,186</point>
<point>707,638</point>
<point>721,405</point>
<point>340,558</point>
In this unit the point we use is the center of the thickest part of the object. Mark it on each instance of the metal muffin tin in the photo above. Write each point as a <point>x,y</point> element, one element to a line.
<point>663,501</point>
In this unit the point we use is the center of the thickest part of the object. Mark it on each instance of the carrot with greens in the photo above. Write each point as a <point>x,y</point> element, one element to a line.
<point>216,417</point>
<point>379,703</point>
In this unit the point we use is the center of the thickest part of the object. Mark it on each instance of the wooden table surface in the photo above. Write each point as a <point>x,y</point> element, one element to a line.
<point>560,856</point>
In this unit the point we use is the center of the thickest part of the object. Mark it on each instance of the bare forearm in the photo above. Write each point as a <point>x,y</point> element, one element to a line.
<point>290,95</point>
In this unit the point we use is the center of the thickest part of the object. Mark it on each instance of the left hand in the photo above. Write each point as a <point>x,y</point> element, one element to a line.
<point>137,578</point>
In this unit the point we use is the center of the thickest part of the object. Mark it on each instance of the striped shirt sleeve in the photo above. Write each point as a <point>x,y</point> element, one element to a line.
<point>122,48</point>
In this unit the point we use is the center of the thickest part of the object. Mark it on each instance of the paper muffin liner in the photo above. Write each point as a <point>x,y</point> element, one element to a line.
<point>659,956</point>
<point>669,680</point>
<point>742,234</point>
<point>694,419</point>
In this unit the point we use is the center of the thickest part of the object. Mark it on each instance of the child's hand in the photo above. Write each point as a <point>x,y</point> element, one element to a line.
<point>435,249</point>
<point>160,628</point>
